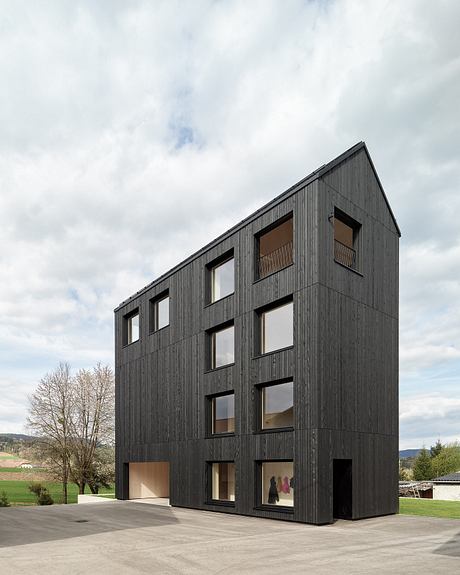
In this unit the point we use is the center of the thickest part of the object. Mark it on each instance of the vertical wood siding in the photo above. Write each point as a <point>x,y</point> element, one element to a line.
<point>344,361</point>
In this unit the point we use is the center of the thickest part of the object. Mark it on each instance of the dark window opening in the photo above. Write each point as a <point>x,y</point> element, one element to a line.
<point>342,488</point>
<point>275,249</point>
<point>346,235</point>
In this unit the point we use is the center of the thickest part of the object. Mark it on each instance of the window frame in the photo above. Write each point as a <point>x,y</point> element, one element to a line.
<point>210,270</point>
<point>127,327</point>
<point>258,492</point>
<point>210,422</point>
<point>153,310</point>
<point>259,407</point>
<point>209,484</point>
<point>260,331</point>
<point>356,228</point>
<point>266,230</point>
<point>211,346</point>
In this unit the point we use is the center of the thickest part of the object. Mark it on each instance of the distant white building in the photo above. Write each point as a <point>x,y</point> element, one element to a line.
<point>447,487</point>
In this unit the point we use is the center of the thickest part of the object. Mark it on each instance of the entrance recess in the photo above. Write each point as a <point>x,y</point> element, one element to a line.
<point>343,489</point>
<point>150,479</point>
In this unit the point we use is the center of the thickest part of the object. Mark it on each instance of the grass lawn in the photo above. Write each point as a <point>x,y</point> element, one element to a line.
<point>429,507</point>
<point>18,492</point>
<point>9,457</point>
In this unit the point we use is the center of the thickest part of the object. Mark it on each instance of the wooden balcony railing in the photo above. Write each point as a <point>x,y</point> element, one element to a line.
<point>344,255</point>
<point>276,260</point>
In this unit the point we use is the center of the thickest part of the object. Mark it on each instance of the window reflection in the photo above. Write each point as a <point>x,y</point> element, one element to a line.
<point>223,413</point>
<point>277,328</point>
<point>222,279</point>
<point>278,405</point>
<point>222,347</point>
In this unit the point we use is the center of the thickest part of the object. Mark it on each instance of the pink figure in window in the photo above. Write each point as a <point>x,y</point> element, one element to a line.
<point>285,487</point>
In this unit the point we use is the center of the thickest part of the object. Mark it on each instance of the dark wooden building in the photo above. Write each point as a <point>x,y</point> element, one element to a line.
<point>260,375</point>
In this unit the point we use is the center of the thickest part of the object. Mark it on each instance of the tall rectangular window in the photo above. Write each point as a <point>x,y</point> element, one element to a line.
<point>223,481</point>
<point>275,248</point>
<point>277,478</point>
<point>223,413</point>
<point>277,402</point>
<point>222,347</point>
<point>159,312</point>
<point>222,279</point>
<point>277,328</point>
<point>131,327</point>
<point>346,235</point>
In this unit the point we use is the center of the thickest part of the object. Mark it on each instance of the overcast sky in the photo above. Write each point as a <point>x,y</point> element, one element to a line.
<point>194,114</point>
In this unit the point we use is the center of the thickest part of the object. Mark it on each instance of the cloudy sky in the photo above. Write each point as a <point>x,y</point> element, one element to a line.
<point>194,114</point>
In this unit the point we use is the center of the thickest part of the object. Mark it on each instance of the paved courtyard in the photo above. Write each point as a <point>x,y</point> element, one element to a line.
<point>127,537</point>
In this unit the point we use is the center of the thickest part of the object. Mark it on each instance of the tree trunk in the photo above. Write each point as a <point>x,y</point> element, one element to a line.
<point>94,489</point>
<point>81,488</point>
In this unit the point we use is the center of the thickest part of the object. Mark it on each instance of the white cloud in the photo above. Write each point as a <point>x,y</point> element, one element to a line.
<point>428,417</point>
<point>125,129</point>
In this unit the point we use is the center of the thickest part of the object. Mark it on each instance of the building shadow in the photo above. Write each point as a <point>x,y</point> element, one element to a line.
<point>27,525</point>
<point>450,548</point>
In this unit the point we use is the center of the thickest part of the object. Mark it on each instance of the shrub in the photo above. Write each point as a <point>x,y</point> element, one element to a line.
<point>4,499</point>
<point>41,493</point>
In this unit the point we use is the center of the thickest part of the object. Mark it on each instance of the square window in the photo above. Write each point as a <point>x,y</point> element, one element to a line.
<point>131,327</point>
<point>277,483</point>
<point>277,403</point>
<point>275,248</point>
<point>223,481</point>
<point>159,312</point>
<point>277,328</point>
<point>222,347</point>
<point>223,413</point>
<point>222,279</point>
<point>346,240</point>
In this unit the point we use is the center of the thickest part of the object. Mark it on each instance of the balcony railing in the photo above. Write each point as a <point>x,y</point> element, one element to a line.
<point>275,260</point>
<point>344,255</point>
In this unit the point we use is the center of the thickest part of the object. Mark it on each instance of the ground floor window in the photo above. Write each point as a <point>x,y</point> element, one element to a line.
<point>278,483</point>
<point>223,481</point>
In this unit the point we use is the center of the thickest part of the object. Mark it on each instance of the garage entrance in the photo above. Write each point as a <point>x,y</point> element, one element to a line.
<point>150,479</point>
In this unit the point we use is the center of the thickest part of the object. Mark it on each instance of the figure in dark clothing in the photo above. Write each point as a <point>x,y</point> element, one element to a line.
<point>273,496</point>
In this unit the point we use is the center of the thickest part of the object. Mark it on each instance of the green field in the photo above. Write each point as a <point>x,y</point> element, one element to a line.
<point>18,492</point>
<point>3,457</point>
<point>19,470</point>
<point>429,507</point>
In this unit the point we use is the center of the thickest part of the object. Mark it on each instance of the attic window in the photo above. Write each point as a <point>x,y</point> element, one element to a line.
<point>346,240</point>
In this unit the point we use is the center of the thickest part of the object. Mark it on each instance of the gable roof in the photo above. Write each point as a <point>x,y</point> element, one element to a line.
<point>449,478</point>
<point>315,175</point>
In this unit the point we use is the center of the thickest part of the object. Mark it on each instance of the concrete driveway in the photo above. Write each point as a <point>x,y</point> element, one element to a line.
<point>127,538</point>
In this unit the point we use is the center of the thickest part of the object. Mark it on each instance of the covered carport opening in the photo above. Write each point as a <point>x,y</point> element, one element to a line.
<point>149,480</point>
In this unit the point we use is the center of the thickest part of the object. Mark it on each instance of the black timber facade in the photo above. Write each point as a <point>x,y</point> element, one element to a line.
<point>343,362</point>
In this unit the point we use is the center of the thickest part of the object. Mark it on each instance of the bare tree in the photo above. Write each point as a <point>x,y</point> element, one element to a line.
<point>51,407</point>
<point>73,417</point>
<point>92,422</point>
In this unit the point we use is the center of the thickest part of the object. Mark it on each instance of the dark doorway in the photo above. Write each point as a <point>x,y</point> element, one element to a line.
<point>342,489</point>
